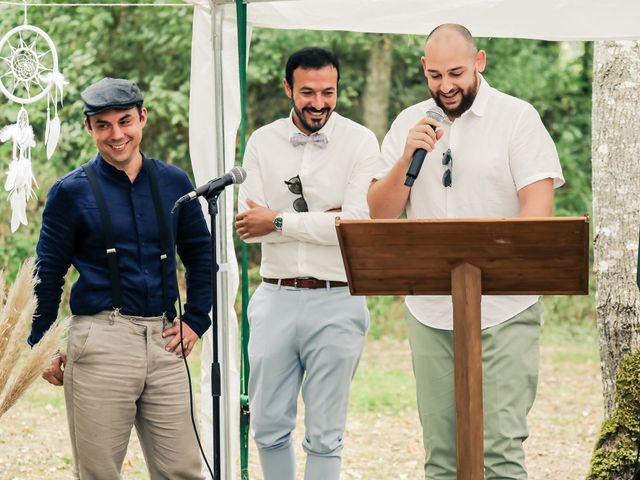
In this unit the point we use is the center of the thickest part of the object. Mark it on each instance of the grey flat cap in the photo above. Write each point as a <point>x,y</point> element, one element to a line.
<point>111,93</point>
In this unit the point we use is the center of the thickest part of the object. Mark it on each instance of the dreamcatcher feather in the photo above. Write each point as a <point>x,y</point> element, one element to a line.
<point>20,175</point>
<point>25,66</point>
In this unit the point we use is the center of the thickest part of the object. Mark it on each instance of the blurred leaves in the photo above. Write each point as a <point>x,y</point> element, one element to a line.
<point>554,77</point>
<point>152,47</point>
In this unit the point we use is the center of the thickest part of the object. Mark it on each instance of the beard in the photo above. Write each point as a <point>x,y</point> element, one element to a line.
<point>315,124</point>
<point>468,97</point>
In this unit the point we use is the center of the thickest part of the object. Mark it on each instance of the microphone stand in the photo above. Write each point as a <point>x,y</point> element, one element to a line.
<point>216,388</point>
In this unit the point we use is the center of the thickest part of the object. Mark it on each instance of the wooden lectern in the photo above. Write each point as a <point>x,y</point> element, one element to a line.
<point>467,259</point>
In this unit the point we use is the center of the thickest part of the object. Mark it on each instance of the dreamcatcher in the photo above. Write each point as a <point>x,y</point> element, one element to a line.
<point>28,73</point>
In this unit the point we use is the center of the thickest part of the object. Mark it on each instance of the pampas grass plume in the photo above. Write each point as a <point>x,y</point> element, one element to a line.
<point>15,322</point>
<point>20,293</point>
<point>37,362</point>
<point>18,341</point>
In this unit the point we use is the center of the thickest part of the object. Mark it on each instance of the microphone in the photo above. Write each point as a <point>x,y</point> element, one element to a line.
<point>235,175</point>
<point>419,155</point>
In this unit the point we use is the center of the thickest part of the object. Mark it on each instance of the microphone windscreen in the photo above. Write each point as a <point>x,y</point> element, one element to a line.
<point>238,174</point>
<point>436,113</point>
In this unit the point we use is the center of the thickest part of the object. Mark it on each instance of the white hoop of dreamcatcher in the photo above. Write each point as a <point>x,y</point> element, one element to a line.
<point>28,73</point>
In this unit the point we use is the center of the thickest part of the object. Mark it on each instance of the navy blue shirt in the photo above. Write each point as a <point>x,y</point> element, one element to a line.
<point>72,234</point>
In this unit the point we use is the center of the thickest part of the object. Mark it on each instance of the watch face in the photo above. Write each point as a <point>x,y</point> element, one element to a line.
<point>277,222</point>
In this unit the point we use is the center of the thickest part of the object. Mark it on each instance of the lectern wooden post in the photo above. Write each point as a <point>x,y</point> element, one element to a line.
<point>467,259</point>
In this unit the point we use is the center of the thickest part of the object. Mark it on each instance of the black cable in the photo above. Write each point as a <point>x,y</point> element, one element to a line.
<point>186,366</point>
<point>193,418</point>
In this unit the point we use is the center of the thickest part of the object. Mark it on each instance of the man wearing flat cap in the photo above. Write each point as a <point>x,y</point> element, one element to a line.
<point>111,219</point>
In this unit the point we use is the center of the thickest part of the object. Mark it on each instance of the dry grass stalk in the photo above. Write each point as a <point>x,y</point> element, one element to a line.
<point>37,362</point>
<point>3,287</point>
<point>18,341</point>
<point>19,295</point>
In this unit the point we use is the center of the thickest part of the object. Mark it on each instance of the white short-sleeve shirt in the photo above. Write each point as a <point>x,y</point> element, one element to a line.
<point>497,146</point>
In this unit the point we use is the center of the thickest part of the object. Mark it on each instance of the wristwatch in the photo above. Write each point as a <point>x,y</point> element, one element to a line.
<point>277,223</point>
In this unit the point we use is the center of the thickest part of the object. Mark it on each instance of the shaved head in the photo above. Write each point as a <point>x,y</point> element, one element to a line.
<point>451,33</point>
<point>452,65</point>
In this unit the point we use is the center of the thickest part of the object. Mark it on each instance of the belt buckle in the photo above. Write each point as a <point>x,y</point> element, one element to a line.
<point>298,283</point>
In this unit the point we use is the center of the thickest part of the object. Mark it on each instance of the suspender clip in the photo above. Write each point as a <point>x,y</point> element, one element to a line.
<point>115,312</point>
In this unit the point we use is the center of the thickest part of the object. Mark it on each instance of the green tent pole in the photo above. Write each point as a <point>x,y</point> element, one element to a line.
<point>241,15</point>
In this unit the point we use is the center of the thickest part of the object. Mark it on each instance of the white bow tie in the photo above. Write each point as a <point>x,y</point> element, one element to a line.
<point>318,139</point>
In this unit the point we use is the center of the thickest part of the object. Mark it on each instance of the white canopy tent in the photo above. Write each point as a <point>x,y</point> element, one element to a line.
<point>215,96</point>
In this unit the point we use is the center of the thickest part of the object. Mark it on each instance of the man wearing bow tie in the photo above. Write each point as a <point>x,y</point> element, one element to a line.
<point>307,331</point>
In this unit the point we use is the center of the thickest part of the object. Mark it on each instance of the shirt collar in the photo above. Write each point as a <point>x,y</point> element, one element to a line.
<point>479,105</point>
<point>327,128</point>
<point>113,173</point>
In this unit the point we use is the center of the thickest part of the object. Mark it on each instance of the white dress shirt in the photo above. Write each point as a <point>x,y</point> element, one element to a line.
<point>498,146</point>
<point>337,176</point>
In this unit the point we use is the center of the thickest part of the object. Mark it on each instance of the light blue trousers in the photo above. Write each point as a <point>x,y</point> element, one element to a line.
<point>510,353</point>
<point>303,338</point>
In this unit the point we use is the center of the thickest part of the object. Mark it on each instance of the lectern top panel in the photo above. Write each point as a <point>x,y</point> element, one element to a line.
<point>520,256</point>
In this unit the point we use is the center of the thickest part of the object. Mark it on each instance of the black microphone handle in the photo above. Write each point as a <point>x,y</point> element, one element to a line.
<point>419,155</point>
<point>212,186</point>
<point>414,167</point>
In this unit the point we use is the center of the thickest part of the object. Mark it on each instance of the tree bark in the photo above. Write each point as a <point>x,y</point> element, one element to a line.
<point>616,204</point>
<point>375,98</point>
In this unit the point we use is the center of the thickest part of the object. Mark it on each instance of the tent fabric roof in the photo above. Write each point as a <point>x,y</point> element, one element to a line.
<point>564,20</point>
<point>544,19</point>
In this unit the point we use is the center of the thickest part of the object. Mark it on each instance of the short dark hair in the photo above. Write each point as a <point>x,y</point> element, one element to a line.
<point>312,58</point>
<point>138,107</point>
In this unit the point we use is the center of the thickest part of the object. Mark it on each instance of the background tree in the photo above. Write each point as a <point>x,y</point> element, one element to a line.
<point>616,211</point>
<point>94,42</point>
<point>375,98</point>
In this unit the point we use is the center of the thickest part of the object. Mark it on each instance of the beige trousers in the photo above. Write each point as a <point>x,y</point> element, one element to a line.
<point>118,375</point>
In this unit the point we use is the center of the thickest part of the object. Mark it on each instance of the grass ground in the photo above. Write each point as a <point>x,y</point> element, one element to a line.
<point>383,437</point>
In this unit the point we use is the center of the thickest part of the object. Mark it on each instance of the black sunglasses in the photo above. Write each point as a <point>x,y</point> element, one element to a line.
<point>447,176</point>
<point>295,187</point>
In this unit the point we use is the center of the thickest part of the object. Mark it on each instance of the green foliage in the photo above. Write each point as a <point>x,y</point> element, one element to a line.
<point>615,453</point>
<point>366,394</point>
<point>387,317</point>
<point>150,46</point>
<point>570,319</point>
<point>270,49</point>
<point>554,77</point>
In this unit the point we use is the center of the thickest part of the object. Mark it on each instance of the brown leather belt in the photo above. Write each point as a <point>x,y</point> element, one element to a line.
<point>305,282</point>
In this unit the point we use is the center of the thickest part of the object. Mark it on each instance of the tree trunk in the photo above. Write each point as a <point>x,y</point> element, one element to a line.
<point>616,218</point>
<point>375,98</point>
<point>616,203</point>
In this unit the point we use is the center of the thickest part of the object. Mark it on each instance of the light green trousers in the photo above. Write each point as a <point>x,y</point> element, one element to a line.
<point>510,354</point>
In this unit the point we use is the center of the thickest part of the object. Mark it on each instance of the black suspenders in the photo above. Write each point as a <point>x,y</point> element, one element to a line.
<point>163,229</point>
<point>107,227</point>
